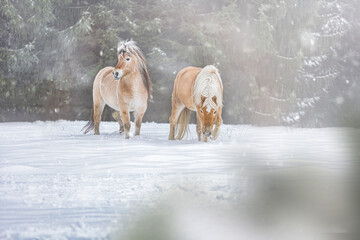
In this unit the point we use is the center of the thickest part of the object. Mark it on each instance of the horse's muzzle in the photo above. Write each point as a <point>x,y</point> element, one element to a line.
<point>207,134</point>
<point>117,74</point>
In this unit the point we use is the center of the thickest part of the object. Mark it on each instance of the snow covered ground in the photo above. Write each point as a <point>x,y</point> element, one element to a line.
<point>56,183</point>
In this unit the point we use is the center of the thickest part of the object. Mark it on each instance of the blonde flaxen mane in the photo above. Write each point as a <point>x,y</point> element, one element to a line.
<point>130,47</point>
<point>208,84</point>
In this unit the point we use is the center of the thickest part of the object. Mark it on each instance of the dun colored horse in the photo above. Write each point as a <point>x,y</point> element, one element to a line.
<point>200,90</point>
<point>125,88</point>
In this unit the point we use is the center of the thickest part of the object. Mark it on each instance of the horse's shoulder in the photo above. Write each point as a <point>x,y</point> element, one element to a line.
<point>106,70</point>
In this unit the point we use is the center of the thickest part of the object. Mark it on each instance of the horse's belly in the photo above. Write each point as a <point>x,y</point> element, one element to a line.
<point>133,104</point>
<point>136,103</point>
<point>114,106</point>
<point>108,90</point>
<point>112,97</point>
<point>189,104</point>
<point>111,101</point>
<point>187,100</point>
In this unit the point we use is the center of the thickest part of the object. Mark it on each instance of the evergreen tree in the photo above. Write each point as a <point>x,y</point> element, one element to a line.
<point>296,71</point>
<point>282,62</point>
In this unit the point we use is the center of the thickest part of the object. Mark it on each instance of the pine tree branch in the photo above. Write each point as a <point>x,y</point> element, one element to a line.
<point>19,49</point>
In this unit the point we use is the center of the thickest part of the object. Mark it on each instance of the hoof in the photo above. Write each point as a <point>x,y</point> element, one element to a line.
<point>213,137</point>
<point>204,139</point>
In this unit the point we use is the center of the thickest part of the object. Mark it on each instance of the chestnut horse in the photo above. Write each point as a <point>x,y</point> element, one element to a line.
<point>125,88</point>
<point>200,90</point>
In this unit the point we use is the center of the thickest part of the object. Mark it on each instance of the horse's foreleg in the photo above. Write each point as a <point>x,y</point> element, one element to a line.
<point>175,113</point>
<point>116,115</point>
<point>204,138</point>
<point>138,121</point>
<point>198,128</point>
<point>126,120</point>
<point>218,123</point>
<point>98,109</point>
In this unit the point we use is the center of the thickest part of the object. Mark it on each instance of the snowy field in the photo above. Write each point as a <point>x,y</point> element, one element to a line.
<point>56,183</point>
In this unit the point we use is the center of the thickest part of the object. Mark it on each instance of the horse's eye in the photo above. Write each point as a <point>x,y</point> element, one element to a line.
<point>127,59</point>
<point>214,112</point>
<point>201,111</point>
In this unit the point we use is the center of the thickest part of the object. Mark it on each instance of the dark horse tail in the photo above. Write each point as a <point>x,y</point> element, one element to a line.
<point>90,124</point>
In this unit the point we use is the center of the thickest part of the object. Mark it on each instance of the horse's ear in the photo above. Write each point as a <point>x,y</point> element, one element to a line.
<point>214,98</point>
<point>203,99</point>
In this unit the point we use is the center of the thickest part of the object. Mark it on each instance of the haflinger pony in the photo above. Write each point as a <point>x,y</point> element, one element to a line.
<point>125,88</point>
<point>200,90</point>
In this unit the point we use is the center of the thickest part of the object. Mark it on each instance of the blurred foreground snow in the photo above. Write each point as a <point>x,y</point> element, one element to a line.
<point>251,183</point>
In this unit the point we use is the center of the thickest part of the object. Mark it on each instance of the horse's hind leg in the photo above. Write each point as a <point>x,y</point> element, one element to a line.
<point>138,121</point>
<point>116,115</point>
<point>98,109</point>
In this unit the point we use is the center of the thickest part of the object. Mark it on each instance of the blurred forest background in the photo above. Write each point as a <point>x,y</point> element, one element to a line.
<point>283,62</point>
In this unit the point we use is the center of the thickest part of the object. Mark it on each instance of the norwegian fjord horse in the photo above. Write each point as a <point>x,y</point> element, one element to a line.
<point>125,88</point>
<point>199,90</point>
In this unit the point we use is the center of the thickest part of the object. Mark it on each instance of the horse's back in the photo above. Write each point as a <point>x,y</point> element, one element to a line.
<point>187,74</point>
<point>183,85</point>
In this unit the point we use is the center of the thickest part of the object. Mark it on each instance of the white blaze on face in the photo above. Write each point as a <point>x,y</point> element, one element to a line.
<point>209,104</point>
<point>208,108</point>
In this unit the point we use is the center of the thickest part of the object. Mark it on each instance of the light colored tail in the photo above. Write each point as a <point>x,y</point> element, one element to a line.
<point>182,125</point>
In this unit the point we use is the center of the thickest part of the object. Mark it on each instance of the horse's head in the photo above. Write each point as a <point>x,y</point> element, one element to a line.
<point>127,60</point>
<point>207,114</point>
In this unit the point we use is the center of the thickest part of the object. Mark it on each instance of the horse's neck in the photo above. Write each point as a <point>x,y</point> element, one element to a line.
<point>130,78</point>
<point>130,81</point>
